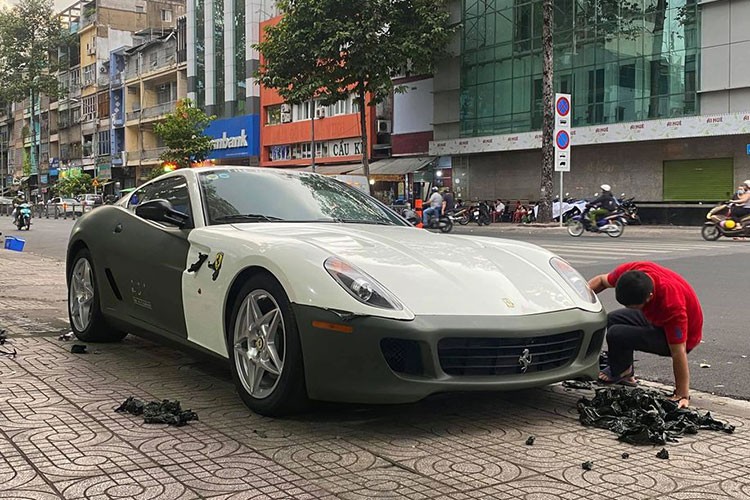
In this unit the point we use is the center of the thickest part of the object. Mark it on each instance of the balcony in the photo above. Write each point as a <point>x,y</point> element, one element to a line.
<point>159,110</point>
<point>133,115</point>
<point>152,154</point>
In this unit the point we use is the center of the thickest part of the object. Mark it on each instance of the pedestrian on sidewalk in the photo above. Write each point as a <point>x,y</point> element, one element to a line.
<point>662,316</point>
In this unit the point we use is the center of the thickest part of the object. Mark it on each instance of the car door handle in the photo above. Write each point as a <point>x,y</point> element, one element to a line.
<point>118,228</point>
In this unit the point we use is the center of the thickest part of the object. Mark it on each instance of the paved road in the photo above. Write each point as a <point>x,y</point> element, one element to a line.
<point>717,270</point>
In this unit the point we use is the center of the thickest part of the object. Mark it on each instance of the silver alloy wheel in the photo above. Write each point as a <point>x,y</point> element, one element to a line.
<point>575,228</point>
<point>617,231</point>
<point>259,343</point>
<point>81,294</point>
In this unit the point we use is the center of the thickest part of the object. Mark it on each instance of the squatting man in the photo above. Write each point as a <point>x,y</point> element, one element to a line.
<point>662,316</point>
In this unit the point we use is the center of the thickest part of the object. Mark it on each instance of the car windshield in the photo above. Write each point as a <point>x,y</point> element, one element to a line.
<point>240,195</point>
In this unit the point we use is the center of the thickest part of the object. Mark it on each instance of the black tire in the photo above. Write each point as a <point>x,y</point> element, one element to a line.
<point>447,227</point>
<point>620,229</point>
<point>97,329</point>
<point>710,232</point>
<point>289,395</point>
<point>464,219</point>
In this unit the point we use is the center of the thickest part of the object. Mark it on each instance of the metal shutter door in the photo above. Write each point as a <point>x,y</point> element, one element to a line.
<point>698,180</point>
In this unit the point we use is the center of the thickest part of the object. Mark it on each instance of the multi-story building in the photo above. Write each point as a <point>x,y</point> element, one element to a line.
<point>155,78</point>
<point>221,63</point>
<point>660,98</point>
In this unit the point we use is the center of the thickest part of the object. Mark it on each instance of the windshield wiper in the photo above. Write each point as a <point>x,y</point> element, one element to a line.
<point>247,218</point>
<point>363,221</point>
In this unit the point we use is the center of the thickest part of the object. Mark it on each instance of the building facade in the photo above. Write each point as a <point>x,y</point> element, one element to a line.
<point>221,64</point>
<point>660,97</point>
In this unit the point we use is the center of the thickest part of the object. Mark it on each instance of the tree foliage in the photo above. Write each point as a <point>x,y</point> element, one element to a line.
<point>328,49</point>
<point>183,133</point>
<point>30,35</point>
<point>73,185</point>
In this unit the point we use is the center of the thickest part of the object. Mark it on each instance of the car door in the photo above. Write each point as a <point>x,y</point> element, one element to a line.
<point>148,258</point>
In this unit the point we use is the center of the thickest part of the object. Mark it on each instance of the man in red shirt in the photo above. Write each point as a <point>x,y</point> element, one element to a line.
<point>663,316</point>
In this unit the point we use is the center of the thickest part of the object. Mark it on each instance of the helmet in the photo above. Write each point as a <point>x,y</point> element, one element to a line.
<point>606,187</point>
<point>434,189</point>
<point>728,224</point>
<point>747,183</point>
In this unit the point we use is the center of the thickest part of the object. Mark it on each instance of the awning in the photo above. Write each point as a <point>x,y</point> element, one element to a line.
<point>329,169</point>
<point>397,166</point>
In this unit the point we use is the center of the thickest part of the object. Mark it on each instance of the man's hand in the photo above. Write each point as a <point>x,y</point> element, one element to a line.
<point>681,374</point>
<point>599,283</point>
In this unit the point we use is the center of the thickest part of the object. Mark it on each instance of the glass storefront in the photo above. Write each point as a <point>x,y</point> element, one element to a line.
<point>621,61</point>
<point>200,53</point>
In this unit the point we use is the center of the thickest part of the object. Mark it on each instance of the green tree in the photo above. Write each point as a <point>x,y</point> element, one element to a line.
<point>183,133</point>
<point>73,185</point>
<point>327,49</point>
<point>30,35</point>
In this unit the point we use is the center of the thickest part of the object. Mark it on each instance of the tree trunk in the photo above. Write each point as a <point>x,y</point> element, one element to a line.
<point>363,127</point>
<point>548,121</point>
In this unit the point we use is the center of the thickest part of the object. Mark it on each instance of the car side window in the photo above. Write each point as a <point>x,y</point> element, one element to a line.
<point>174,190</point>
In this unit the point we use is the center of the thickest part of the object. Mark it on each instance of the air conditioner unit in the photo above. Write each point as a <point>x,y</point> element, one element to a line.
<point>384,127</point>
<point>102,69</point>
<point>91,49</point>
<point>286,117</point>
<point>320,112</point>
<point>286,108</point>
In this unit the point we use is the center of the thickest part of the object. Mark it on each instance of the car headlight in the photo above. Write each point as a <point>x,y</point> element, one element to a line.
<point>361,286</point>
<point>574,279</point>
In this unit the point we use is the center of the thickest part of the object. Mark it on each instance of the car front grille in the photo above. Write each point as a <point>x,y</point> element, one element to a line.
<point>483,356</point>
<point>403,356</point>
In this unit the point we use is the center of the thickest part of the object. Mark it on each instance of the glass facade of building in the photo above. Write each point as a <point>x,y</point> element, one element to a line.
<point>234,106</point>
<point>621,61</point>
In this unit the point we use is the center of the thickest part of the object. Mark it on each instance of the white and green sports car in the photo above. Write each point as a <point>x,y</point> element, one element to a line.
<point>313,290</point>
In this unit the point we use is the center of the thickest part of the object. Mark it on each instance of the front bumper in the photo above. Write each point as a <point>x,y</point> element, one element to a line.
<point>393,361</point>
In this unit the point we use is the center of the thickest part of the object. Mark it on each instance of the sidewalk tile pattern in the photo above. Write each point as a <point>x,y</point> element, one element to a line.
<point>60,438</point>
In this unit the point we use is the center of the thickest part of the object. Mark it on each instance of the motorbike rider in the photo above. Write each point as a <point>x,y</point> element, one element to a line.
<point>19,200</point>
<point>436,206</point>
<point>448,203</point>
<point>741,206</point>
<point>602,205</point>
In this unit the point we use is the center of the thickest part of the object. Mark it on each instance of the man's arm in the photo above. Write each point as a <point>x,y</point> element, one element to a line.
<point>681,374</point>
<point>599,283</point>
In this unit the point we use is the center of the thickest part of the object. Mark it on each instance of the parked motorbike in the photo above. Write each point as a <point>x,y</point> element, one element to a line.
<point>629,208</point>
<point>460,215</point>
<point>720,224</point>
<point>480,213</point>
<point>23,216</point>
<point>612,225</point>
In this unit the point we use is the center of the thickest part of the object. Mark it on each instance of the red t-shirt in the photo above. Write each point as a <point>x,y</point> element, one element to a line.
<point>674,306</point>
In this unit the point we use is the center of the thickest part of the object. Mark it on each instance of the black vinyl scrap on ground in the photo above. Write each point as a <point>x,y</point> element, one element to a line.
<point>644,416</point>
<point>158,412</point>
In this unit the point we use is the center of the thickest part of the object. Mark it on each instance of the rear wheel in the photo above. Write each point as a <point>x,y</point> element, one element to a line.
<point>447,226</point>
<point>84,310</point>
<point>265,350</point>
<point>575,228</point>
<point>464,219</point>
<point>710,232</point>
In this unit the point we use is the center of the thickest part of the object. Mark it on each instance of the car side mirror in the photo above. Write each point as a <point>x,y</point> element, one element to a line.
<point>161,211</point>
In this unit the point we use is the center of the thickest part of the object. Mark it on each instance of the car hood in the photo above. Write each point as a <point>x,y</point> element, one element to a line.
<point>439,274</point>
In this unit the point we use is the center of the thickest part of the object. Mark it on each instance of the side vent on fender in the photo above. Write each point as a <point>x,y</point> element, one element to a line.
<point>112,284</point>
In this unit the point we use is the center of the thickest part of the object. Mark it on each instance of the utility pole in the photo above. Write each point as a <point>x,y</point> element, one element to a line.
<point>312,131</point>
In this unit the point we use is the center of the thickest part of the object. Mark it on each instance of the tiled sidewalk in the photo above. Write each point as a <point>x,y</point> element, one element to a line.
<point>60,436</point>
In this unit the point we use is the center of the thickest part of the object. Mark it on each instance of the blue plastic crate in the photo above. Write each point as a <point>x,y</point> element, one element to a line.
<point>15,244</point>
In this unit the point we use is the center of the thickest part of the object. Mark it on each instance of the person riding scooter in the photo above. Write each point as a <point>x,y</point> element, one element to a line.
<point>436,206</point>
<point>603,205</point>
<point>19,200</point>
<point>741,206</point>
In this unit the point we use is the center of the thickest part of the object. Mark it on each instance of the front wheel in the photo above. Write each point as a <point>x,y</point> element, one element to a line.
<point>265,350</point>
<point>710,232</point>
<point>464,219</point>
<point>27,223</point>
<point>575,228</point>
<point>617,230</point>
<point>84,311</point>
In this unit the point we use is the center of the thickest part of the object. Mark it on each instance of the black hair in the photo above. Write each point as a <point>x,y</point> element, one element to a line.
<point>633,288</point>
